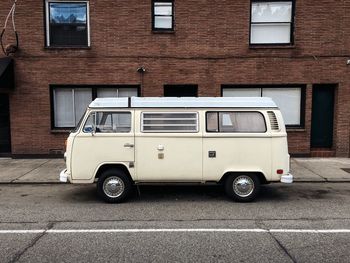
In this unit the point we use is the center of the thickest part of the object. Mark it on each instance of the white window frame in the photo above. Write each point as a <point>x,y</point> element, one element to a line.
<point>291,39</point>
<point>170,131</point>
<point>47,18</point>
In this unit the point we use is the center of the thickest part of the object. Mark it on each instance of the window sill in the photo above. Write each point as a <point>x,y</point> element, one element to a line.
<point>271,46</point>
<point>67,47</point>
<point>295,129</point>
<point>155,31</point>
<point>61,130</point>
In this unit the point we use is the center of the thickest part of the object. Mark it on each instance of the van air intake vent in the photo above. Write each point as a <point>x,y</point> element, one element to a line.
<point>273,121</point>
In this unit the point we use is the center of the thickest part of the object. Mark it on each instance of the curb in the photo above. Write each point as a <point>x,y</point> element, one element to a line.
<point>59,183</point>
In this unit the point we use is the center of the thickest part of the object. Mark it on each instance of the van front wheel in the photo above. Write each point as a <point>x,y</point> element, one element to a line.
<point>113,186</point>
<point>242,187</point>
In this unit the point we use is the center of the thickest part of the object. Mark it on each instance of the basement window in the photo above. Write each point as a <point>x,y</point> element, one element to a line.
<point>67,24</point>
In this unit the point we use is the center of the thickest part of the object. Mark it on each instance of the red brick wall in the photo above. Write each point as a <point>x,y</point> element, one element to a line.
<point>210,47</point>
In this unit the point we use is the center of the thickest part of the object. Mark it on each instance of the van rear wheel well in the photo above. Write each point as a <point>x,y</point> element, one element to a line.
<point>260,176</point>
<point>106,167</point>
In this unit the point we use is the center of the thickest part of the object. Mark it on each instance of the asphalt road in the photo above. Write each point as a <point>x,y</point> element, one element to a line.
<point>66,223</point>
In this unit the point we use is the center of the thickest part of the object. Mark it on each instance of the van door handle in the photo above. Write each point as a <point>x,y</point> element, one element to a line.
<point>129,145</point>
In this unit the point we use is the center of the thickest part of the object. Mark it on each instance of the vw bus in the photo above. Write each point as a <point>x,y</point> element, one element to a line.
<point>121,142</point>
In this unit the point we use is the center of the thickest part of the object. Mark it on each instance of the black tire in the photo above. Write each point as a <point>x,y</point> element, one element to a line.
<point>120,179</point>
<point>250,195</point>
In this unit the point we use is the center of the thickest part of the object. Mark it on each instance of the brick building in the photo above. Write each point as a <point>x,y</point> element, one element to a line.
<point>73,51</point>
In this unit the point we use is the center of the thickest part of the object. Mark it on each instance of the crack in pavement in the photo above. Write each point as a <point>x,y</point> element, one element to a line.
<point>13,181</point>
<point>261,225</point>
<point>18,255</point>
<point>307,168</point>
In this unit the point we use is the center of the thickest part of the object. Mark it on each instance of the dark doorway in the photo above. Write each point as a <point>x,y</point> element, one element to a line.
<point>180,90</point>
<point>322,116</point>
<point>5,139</point>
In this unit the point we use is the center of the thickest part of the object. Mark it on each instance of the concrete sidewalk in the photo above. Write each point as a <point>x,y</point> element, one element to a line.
<point>47,170</point>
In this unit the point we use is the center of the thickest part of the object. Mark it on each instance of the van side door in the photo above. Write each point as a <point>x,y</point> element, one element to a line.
<point>168,146</point>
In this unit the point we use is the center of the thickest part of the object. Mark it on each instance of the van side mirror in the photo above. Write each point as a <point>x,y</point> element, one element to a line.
<point>88,129</point>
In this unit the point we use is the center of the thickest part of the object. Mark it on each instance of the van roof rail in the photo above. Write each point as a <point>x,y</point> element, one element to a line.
<point>184,102</point>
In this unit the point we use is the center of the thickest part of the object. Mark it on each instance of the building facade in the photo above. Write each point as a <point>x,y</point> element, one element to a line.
<point>71,52</point>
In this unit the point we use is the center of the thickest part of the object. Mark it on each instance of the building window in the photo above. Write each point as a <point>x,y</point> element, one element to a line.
<point>290,100</point>
<point>70,102</point>
<point>163,15</point>
<point>67,24</point>
<point>244,122</point>
<point>271,22</point>
<point>169,122</point>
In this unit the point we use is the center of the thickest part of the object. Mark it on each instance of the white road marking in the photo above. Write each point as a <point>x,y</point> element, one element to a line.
<point>159,230</point>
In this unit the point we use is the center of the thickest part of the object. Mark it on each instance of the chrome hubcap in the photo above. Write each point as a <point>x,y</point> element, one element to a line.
<point>113,187</point>
<point>243,186</point>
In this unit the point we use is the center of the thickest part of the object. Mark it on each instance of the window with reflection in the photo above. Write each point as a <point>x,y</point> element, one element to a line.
<point>271,22</point>
<point>163,15</point>
<point>67,24</point>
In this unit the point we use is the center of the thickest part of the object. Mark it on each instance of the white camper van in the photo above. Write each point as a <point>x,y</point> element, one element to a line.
<point>119,142</point>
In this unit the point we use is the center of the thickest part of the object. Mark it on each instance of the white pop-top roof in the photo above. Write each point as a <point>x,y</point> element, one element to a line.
<point>184,102</point>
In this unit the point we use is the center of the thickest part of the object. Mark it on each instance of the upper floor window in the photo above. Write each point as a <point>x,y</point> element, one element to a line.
<point>163,15</point>
<point>271,22</point>
<point>67,23</point>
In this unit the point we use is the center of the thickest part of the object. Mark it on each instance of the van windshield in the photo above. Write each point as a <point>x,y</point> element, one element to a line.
<point>79,123</point>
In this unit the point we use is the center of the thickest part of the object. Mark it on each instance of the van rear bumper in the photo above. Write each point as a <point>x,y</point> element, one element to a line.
<point>64,176</point>
<point>287,178</point>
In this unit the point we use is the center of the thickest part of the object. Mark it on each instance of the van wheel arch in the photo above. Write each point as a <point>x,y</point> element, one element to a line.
<point>260,175</point>
<point>106,167</point>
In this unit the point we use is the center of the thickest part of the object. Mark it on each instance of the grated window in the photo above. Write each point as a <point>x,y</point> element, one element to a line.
<point>170,122</point>
<point>273,121</point>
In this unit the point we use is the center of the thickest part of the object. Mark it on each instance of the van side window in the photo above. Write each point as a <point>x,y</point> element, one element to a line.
<point>249,122</point>
<point>108,122</point>
<point>169,122</point>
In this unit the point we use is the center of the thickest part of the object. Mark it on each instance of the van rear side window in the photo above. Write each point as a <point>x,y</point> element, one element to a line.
<point>169,122</point>
<point>248,122</point>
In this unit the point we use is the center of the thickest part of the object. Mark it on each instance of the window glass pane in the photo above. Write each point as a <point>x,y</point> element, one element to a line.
<point>71,13</point>
<point>64,112</point>
<point>241,92</point>
<point>68,24</point>
<point>270,33</point>
<point>89,124</point>
<point>111,122</point>
<point>169,122</point>
<point>272,12</point>
<point>164,22</point>
<point>127,92</point>
<point>163,9</point>
<point>82,98</point>
<point>241,122</point>
<point>289,102</point>
<point>107,93</point>
<point>212,122</point>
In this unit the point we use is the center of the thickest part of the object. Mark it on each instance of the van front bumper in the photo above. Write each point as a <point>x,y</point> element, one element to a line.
<point>64,176</point>
<point>287,178</point>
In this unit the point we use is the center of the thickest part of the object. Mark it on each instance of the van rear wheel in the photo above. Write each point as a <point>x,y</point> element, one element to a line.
<point>242,187</point>
<point>113,186</point>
